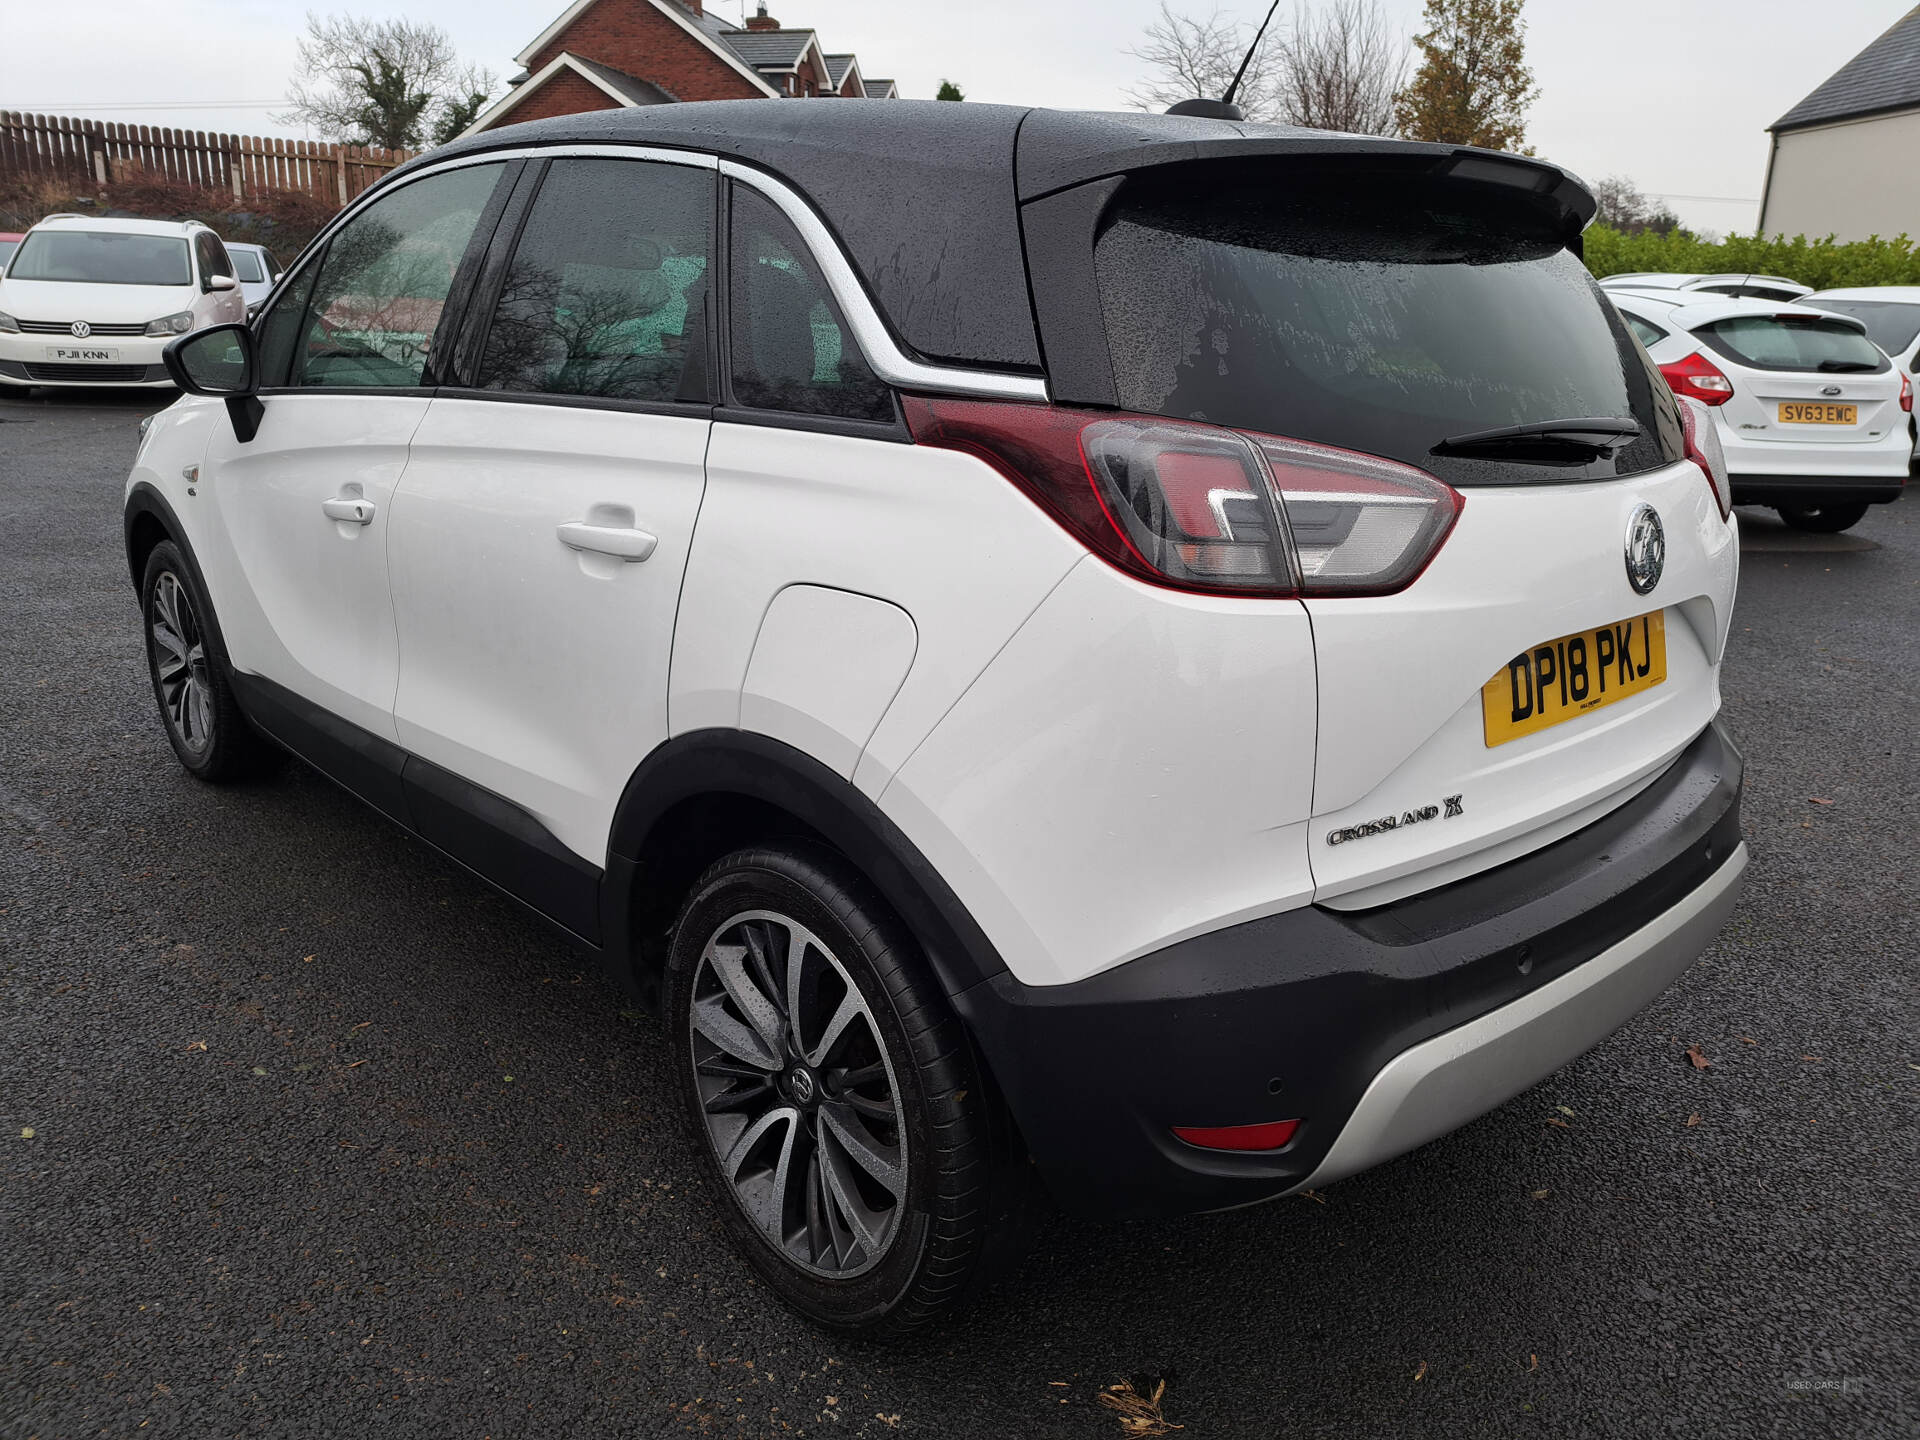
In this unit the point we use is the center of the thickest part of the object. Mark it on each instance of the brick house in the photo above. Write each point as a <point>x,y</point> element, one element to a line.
<point>610,54</point>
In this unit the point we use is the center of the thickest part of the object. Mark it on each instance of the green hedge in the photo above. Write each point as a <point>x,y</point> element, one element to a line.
<point>1822,264</point>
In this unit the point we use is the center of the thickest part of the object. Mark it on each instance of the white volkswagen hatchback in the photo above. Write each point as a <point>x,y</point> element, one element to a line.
<point>1062,650</point>
<point>94,301</point>
<point>1812,416</point>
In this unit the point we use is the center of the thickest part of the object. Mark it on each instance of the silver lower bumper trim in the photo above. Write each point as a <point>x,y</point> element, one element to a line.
<point>1440,1084</point>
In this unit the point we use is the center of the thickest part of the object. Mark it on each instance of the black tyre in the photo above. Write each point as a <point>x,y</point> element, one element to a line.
<point>189,673</point>
<point>1823,519</point>
<point>869,1173</point>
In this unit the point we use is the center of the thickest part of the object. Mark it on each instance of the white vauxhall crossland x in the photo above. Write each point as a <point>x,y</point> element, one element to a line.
<point>1140,659</point>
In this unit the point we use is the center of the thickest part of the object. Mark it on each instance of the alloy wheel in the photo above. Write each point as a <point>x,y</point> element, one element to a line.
<point>180,664</point>
<point>797,1094</point>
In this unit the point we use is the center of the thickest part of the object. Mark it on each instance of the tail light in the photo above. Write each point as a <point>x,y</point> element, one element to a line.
<point>1698,378</point>
<point>1906,392</point>
<point>1703,449</point>
<point>1271,1136</point>
<point>1200,507</point>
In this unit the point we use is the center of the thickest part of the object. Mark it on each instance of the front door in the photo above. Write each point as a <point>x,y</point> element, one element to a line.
<point>297,557</point>
<point>543,524</point>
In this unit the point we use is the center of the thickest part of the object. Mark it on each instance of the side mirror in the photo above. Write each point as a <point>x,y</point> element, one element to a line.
<point>221,361</point>
<point>222,282</point>
<point>278,276</point>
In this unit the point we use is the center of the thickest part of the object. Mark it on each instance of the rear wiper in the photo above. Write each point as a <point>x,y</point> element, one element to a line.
<point>1845,367</point>
<point>1592,435</point>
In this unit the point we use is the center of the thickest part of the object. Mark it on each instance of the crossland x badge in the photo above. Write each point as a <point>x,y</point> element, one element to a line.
<point>1646,549</point>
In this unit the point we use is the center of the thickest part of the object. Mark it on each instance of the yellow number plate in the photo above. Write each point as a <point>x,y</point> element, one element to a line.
<point>1574,674</point>
<point>1804,412</point>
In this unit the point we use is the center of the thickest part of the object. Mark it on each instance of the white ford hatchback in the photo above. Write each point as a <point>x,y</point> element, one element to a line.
<point>1162,659</point>
<point>1811,415</point>
<point>94,301</point>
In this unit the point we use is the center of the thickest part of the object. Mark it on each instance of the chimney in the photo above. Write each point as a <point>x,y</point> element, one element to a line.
<point>760,20</point>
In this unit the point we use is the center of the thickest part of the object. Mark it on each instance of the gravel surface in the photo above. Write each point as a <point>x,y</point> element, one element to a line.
<point>329,1140</point>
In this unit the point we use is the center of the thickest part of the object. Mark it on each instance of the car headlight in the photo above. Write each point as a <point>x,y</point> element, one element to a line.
<point>171,324</point>
<point>9,325</point>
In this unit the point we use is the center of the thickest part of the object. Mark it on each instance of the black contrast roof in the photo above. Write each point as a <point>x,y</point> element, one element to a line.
<point>1884,76</point>
<point>925,196</point>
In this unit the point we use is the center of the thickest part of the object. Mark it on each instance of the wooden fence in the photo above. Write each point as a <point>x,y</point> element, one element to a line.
<point>59,146</point>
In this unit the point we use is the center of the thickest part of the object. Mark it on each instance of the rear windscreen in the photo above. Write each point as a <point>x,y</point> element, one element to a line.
<point>1890,324</point>
<point>101,258</point>
<point>1382,313</point>
<point>1793,342</point>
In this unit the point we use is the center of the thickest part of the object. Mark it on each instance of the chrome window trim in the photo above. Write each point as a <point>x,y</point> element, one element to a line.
<point>882,352</point>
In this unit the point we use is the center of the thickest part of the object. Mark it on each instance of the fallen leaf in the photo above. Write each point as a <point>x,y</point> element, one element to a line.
<point>1313,1195</point>
<point>306,959</point>
<point>26,1132</point>
<point>1541,1194</point>
<point>1058,1384</point>
<point>356,1065</point>
<point>1533,1363</point>
<point>1816,800</point>
<point>1700,1061</point>
<point>1557,1121</point>
<point>1692,1120</point>
<point>1421,1373</point>
<point>507,1078</point>
<point>361,1026</point>
<point>1139,1414</point>
<point>1564,1111</point>
<point>1814,1058</point>
<point>1748,1040</point>
<point>892,1422</point>
<point>259,1069</point>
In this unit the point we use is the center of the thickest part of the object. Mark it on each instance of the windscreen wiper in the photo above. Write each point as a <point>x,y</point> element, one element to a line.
<point>1846,367</point>
<point>1558,439</point>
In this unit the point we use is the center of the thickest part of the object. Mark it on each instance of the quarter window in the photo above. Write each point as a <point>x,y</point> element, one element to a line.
<point>384,281</point>
<point>1645,331</point>
<point>606,295</point>
<point>790,349</point>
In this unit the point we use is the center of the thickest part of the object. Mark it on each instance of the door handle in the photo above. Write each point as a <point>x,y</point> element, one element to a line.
<point>621,541</point>
<point>351,511</point>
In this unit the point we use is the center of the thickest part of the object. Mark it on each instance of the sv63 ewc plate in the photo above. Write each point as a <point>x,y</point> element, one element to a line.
<point>1574,674</point>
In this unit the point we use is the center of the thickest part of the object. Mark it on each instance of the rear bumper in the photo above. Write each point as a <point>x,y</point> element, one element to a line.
<point>1377,1030</point>
<point>1816,489</point>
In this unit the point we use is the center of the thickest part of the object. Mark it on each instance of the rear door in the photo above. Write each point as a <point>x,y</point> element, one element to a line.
<point>540,535</point>
<point>1415,317</point>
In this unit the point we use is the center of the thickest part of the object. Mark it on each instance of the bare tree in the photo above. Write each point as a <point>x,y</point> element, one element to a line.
<point>1341,68</point>
<point>1186,58</point>
<point>1627,210</point>
<point>383,82</point>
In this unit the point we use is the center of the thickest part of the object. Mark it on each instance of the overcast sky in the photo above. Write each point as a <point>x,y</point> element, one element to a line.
<point>1675,96</point>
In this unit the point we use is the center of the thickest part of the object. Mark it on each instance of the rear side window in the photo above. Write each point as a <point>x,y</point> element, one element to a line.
<point>606,295</point>
<point>1890,325</point>
<point>1645,331</point>
<point>1793,342</point>
<point>790,349</point>
<point>1383,313</point>
<point>384,281</point>
<point>246,266</point>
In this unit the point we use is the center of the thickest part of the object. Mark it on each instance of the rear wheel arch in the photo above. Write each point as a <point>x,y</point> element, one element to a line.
<point>707,793</point>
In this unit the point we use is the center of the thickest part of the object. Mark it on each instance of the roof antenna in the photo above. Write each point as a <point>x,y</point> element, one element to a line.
<point>1224,108</point>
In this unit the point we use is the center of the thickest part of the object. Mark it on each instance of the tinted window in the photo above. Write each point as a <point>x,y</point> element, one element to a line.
<point>1890,325</point>
<point>102,258</point>
<point>1792,342</point>
<point>384,281</point>
<point>214,259</point>
<point>1645,331</point>
<point>790,349</point>
<point>246,265</point>
<point>607,291</point>
<point>279,327</point>
<point>1380,313</point>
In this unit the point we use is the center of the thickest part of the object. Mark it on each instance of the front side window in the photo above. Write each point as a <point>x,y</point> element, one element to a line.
<point>1387,313</point>
<point>1793,342</point>
<point>790,349</point>
<point>102,257</point>
<point>606,295</point>
<point>213,259</point>
<point>384,281</point>
<point>247,267</point>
